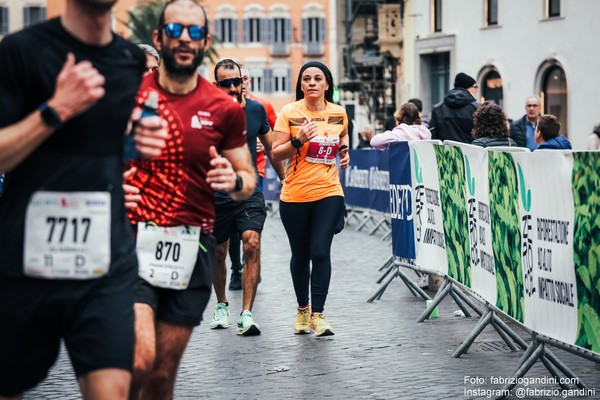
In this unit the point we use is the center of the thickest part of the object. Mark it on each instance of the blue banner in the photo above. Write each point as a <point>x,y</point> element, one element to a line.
<point>401,206</point>
<point>366,180</point>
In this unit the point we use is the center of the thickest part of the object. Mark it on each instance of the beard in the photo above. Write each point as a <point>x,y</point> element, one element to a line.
<point>97,5</point>
<point>236,95</point>
<point>177,70</point>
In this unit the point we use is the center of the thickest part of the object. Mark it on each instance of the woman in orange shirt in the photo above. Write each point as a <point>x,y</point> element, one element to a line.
<point>310,133</point>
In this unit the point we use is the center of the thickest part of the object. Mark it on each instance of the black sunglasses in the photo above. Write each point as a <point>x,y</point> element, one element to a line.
<point>174,30</point>
<point>226,83</point>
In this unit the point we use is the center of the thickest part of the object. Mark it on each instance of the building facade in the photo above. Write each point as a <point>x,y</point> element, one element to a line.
<point>513,49</point>
<point>18,14</point>
<point>273,39</point>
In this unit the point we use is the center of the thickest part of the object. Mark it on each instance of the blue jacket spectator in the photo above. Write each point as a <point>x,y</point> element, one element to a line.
<point>547,134</point>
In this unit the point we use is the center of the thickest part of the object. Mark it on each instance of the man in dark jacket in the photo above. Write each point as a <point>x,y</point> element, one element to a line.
<point>523,129</point>
<point>546,134</point>
<point>453,118</point>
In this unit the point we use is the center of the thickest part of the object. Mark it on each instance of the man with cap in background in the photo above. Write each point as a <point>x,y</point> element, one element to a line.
<point>452,119</point>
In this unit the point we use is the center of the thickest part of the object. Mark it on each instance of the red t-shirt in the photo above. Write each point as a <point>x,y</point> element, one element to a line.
<point>261,161</point>
<point>173,186</point>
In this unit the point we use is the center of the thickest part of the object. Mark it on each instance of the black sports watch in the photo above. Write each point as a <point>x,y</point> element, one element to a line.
<point>50,116</point>
<point>296,142</point>
<point>239,184</point>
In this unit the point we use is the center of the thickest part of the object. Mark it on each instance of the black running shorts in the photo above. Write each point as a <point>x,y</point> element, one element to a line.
<point>94,317</point>
<point>183,307</point>
<point>248,215</point>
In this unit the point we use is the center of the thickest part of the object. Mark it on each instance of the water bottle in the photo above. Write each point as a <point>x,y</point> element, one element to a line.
<point>149,109</point>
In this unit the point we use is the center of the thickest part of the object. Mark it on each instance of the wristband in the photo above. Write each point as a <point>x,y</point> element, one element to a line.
<point>50,116</point>
<point>239,184</point>
<point>342,147</point>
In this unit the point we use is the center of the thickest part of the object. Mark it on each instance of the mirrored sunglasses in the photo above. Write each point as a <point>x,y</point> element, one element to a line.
<point>174,30</point>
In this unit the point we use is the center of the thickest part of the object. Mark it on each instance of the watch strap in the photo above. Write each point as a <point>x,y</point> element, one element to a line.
<point>50,116</point>
<point>296,142</point>
<point>239,184</point>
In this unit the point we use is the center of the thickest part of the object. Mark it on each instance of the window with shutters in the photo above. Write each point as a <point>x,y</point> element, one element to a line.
<point>280,28</point>
<point>254,30</point>
<point>226,30</point>
<point>3,20</point>
<point>313,29</point>
<point>33,15</point>
<point>282,80</point>
<point>256,26</point>
<point>226,24</point>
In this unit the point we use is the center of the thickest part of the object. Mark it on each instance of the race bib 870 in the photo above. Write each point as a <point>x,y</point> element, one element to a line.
<point>167,255</point>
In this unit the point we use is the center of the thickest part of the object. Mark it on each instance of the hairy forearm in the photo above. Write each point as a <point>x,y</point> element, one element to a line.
<point>19,140</point>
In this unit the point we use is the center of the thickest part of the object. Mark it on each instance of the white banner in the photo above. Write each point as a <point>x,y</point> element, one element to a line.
<point>428,218</point>
<point>546,207</point>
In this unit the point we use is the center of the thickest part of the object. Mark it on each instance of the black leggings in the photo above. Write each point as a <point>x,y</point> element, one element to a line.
<point>310,228</point>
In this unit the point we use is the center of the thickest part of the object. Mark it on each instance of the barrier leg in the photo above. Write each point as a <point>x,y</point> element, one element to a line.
<point>503,334</point>
<point>387,263</point>
<point>461,304</point>
<point>554,372</point>
<point>564,369</point>
<point>446,287</point>
<point>386,273</point>
<point>532,357</point>
<point>382,288</point>
<point>483,322</point>
<point>468,300</point>
<point>387,236</point>
<point>408,284</point>
<point>413,286</point>
<point>377,226</point>
<point>513,335</point>
<point>366,219</point>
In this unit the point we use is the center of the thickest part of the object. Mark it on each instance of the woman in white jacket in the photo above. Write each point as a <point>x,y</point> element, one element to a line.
<point>408,127</point>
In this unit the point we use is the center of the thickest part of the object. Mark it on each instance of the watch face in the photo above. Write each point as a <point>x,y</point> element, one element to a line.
<point>296,143</point>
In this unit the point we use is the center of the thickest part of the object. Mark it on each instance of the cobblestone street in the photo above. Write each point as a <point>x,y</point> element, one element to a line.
<point>378,351</point>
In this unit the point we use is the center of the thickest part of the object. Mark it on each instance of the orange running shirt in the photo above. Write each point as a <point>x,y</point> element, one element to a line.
<point>311,173</point>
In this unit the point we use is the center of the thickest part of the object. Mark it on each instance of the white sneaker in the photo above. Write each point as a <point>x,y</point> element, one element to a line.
<point>221,317</point>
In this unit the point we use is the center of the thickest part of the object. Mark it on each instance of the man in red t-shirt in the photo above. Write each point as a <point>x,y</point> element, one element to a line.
<point>175,217</point>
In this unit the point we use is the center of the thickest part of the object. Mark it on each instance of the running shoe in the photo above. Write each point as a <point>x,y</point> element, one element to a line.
<point>319,326</point>
<point>246,325</point>
<point>235,283</point>
<point>221,317</point>
<point>302,320</point>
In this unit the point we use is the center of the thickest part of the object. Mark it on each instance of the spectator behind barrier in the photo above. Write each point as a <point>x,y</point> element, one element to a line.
<point>593,141</point>
<point>364,138</point>
<point>453,118</point>
<point>522,130</point>
<point>408,127</point>
<point>490,127</point>
<point>546,134</point>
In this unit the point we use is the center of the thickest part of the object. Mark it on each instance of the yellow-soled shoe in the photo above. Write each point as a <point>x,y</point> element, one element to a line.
<point>302,320</point>
<point>319,326</point>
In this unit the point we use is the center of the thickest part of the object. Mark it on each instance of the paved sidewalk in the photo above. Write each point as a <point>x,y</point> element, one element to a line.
<point>378,351</point>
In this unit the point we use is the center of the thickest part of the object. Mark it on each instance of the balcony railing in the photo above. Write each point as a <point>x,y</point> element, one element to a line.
<point>314,49</point>
<point>280,49</point>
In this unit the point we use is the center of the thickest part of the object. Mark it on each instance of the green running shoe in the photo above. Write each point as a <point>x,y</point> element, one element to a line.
<point>246,325</point>
<point>221,317</point>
